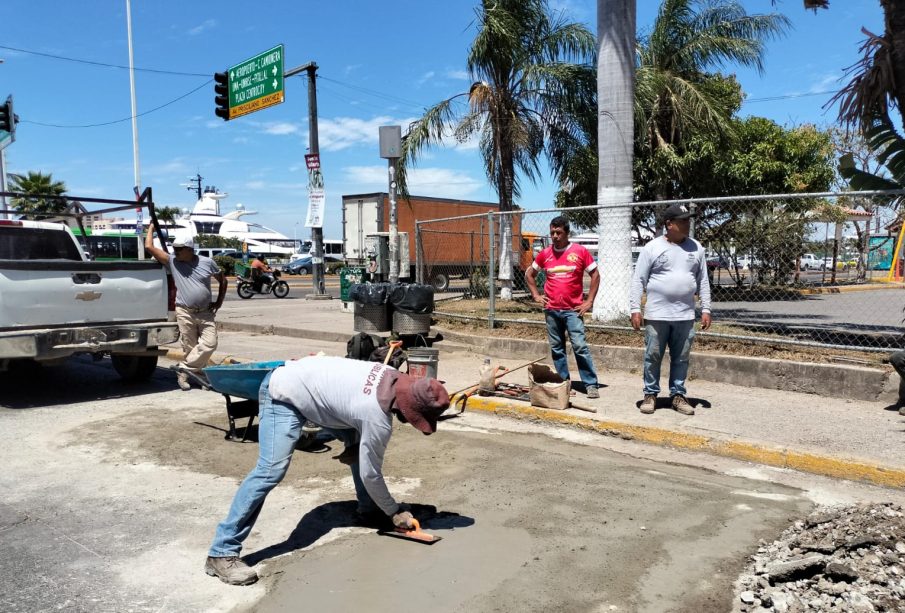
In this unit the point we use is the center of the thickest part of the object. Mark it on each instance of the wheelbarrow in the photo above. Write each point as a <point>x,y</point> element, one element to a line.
<point>243,381</point>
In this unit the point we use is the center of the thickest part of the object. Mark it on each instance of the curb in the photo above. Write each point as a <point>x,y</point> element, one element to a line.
<point>845,289</point>
<point>848,381</point>
<point>828,466</point>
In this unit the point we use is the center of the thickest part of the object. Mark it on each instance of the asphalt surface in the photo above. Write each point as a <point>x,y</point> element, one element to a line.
<point>112,493</point>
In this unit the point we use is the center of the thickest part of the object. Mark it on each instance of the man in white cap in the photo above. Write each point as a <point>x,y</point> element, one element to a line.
<point>672,270</point>
<point>195,307</point>
<point>353,399</point>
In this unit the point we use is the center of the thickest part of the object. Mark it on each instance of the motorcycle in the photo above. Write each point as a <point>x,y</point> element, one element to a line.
<point>246,287</point>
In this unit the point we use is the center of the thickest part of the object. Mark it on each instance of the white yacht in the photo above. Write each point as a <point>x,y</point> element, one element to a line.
<point>206,218</point>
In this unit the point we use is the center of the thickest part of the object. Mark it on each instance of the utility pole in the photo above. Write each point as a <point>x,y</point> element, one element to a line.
<point>390,138</point>
<point>317,231</point>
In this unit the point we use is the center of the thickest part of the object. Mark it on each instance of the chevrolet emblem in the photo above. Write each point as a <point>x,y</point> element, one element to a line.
<point>88,296</point>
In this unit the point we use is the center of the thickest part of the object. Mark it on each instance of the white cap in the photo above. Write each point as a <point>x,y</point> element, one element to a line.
<point>184,242</point>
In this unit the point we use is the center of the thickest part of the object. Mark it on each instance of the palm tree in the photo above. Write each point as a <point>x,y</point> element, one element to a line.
<point>45,197</point>
<point>615,139</point>
<point>674,95</point>
<point>520,63</point>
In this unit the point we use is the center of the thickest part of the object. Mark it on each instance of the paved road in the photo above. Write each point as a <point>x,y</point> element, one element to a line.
<point>112,492</point>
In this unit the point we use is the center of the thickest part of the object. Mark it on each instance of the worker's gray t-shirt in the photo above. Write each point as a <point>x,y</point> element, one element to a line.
<point>193,281</point>
<point>672,275</point>
<point>341,393</point>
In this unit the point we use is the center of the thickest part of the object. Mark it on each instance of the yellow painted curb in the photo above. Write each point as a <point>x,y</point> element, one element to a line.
<point>839,468</point>
<point>845,289</point>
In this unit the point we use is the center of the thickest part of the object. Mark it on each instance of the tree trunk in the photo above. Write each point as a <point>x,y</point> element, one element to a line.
<point>615,138</point>
<point>507,173</point>
<point>894,20</point>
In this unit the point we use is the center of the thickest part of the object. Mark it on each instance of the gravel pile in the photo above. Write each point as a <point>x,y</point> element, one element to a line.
<point>849,558</point>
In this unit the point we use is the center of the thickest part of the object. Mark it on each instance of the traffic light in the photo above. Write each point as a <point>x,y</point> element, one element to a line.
<point>221,89</point>
<point>8,119</point>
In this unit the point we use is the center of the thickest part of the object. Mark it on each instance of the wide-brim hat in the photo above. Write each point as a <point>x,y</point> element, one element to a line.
<point>421,401</point>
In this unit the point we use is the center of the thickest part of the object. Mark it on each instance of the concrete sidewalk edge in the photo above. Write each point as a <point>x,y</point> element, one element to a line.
<point>829,466</point>
<point>842,468</point>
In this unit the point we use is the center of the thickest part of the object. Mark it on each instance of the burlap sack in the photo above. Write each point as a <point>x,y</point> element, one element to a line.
<point>546,388</point>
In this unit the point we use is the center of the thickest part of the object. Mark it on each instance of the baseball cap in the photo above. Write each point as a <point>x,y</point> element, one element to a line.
<point>421,401</point>
<point>677,211</point>
<point>184,242</point>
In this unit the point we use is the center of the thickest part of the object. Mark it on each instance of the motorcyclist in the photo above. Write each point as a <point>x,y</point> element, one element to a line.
<point>261,273</point>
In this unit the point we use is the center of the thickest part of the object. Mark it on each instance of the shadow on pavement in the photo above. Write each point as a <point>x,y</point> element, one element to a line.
<point>320,520</point>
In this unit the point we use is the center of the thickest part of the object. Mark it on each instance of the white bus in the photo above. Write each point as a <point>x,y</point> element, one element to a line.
<point>331,248</point>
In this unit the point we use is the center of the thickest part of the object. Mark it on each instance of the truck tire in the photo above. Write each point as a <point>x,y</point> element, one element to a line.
<point>134,368</point>
<point>440,281</point>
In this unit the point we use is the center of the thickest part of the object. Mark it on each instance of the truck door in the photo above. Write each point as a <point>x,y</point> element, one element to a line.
<point>361,219</point>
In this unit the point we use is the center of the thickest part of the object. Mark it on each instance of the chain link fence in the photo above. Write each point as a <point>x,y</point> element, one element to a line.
<point>811,270</point>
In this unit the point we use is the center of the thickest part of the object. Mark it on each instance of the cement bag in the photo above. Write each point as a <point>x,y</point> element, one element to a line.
<point>546,388</point>
<point>413,298</point>
<point>373,294</point>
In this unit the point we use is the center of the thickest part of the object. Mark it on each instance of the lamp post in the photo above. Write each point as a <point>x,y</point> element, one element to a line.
<point>390,148</point>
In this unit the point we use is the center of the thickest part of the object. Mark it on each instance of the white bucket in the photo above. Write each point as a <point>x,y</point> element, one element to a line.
<point>423,362</point>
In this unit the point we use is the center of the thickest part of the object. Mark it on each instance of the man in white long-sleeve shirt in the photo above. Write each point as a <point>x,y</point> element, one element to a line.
<point>352,398</point>
<point>672,269</point>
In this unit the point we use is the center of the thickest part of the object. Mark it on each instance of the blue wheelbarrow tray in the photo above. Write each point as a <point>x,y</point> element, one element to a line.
<point>241,380</point>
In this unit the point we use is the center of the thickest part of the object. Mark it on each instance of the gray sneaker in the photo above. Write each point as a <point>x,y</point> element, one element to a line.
<point>230,570</point>
<point>680,404</point>
<point>649,404</point>
<point>592,391</point>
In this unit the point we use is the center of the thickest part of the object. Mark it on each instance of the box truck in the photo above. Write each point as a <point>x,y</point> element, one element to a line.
<point>449,249</point>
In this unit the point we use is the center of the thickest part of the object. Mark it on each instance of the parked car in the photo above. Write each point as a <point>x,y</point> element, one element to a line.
<point>715,261</point>
<point>809,261</point>
<point>841,265</point>
<point>303,265</point>
<point>746,262</point>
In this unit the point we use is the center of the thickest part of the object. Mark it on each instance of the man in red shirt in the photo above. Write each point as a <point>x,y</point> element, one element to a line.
<point>564,265</point>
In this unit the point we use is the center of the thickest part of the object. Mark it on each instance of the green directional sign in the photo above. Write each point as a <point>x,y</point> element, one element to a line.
<point>256,83</point>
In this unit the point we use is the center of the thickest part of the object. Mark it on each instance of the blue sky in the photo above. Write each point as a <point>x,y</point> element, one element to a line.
<point>381,63</point>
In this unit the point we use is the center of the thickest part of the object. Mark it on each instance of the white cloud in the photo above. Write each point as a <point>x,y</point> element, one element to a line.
<point>280,128</point>
<point>459,75</point>
<point>344,132</point>
<point>205,25</point>
<point>439,182</point>
<point>427,76</point>
<point>827,82</point>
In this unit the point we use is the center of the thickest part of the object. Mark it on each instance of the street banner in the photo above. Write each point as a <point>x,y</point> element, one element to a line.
<point>315,217</point>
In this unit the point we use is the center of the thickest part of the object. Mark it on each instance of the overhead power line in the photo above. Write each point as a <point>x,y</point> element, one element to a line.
<point>104,64</point>
<point>129,118</point>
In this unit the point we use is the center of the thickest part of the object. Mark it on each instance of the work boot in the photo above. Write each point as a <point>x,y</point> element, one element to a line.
<point>902,411</point>
<point>592,391</point>
<point>649,404</point>
<point>230,570</point>
<point>182,380</point>
<point>681,405</point>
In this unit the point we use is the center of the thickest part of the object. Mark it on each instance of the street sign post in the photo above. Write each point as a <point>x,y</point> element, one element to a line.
<point>256,83</point>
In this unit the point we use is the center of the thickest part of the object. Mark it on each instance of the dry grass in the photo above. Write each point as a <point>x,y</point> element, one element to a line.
<point>527,310</point>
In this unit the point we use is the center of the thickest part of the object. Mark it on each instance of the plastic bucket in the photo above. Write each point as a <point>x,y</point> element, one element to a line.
<point>423,362</point>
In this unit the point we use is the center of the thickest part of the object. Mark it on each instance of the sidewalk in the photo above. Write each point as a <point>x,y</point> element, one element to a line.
<point>837,437</point>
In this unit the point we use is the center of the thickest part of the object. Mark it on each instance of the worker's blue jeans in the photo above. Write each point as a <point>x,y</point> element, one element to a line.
<point>559,323</point>
<point>279,429</point>
<point>677,335</point>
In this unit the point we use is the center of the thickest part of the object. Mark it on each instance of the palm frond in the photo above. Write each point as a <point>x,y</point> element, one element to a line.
<point>872,82</point>
<point>429,130</point>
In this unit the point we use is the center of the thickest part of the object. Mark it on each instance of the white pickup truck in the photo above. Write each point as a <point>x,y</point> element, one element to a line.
<point>55,303</point>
